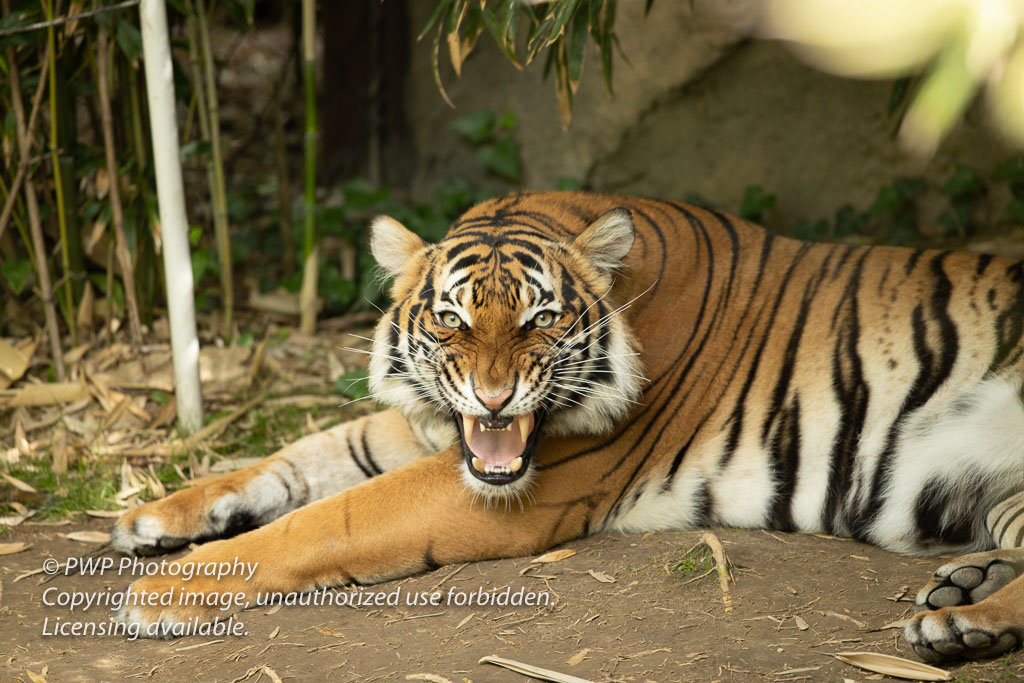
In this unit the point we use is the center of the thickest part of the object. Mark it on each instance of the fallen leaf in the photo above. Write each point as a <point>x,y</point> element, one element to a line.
<point>105,514</point>
<point>36,678</point>
<point>11,548</point>
<point>530,670</point>
<point>328,631</point>
<point>601,576</point>
<point>17,483</point>
<point>433,678</point>
<point>555,555</point>
<point>800,623</point>
<point>88,536</point>
<point>578,657</point>
<point>271,674</point>
<point>897,667</point>
<point>273,634</point>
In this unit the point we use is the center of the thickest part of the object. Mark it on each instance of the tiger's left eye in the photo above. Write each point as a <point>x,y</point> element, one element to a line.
<point>543,319</point>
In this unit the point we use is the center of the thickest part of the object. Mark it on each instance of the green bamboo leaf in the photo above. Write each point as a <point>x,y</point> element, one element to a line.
<point>435,65</point>
<point>562,14</point>
<point>494,24</point>
<point>128,39</point>
<point>442,7</point>
<point>577,41</point>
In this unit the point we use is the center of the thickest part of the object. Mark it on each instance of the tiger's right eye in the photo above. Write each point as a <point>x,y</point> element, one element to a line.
<point>452,320</point>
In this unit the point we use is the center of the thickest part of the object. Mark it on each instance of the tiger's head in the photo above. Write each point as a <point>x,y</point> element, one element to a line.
<point>505,330</point>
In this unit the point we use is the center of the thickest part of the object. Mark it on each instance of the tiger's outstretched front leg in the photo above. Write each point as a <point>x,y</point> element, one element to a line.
<point>416,517</point>
<point>312,468</point>
<point>973,607</point>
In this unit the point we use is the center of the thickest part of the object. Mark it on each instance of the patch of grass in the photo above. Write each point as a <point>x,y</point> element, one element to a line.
<point>85,486</point>
<point>694,562</point>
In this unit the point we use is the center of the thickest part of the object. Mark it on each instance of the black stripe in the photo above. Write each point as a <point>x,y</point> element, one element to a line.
<point>935,366</point>
<point>366,455</point>
<point>352,454</point>
<point>852,394</point>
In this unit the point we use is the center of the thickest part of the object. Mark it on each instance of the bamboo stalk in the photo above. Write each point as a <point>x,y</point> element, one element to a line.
<point>42,267</point>
<point>58,181</point>
<point>220,205</point>
<point>284,189</point>
<point>311,251</point>
<point>173,221</point>
<point>23,161</point>
<point>116,214</point>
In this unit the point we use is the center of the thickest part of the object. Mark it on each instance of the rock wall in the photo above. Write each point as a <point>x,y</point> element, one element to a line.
<point>697,108</point>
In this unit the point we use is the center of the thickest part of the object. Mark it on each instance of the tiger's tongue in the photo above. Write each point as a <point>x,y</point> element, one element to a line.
<point>496,447</point>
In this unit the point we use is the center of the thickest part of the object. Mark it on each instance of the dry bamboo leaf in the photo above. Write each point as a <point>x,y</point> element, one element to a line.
<point>465,621</point>
<point>13,363</point>
<point>897,667</point>
<point>578,657</point>
<point>156,486</point>
<point>59,450</point>
<point>273,634</point>
<point>601,576</point>
<point>17,483</point>
<point>15,520</point>
<point>555,555</point>
<point>85,317</point>
<point>275,609</point>
<point>433,678</point>
<point>845,617</point>
<point>21,441</point>
<point>271,674</point>
<point>105,514</point>
<point>800,623</point>
<point>36,677</point>
<point>530,670</point>
<point>48,394</point>
<point>892,624</point>
<point>11,548</point>
<point>328,631</point>
<point>88,536</point>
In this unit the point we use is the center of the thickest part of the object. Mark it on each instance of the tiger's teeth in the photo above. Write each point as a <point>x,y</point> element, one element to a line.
<point>478,464</point>
<point>468,421</point>
<point>516,464</point>
<point>524,427</point>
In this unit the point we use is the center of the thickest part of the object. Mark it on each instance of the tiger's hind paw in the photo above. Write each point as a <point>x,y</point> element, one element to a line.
<point>968,632</point>
<point>969,579</point>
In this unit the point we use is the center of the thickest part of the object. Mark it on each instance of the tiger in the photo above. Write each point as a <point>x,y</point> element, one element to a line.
<point>563,363</point>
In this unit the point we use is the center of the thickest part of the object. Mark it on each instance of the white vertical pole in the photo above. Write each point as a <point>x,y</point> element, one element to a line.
<point>173,221</point>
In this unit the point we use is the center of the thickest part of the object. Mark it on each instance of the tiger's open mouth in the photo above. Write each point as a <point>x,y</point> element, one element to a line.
<point>498,451</point>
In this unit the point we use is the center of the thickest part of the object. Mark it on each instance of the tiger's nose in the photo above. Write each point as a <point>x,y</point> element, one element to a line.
<point>496,402</point>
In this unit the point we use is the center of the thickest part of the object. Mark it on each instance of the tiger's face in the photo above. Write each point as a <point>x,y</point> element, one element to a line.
<point>504,333</point>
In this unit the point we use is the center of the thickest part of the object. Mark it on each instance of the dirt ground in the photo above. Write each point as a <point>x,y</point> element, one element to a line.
<point>796,600</point>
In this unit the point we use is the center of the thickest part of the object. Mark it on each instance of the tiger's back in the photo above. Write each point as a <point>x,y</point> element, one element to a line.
<point>872,392</point>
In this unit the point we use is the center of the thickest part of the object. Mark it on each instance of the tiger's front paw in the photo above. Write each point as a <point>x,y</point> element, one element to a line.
<point>966,632</point>
<point>969,579</point>
<point>193,514</point>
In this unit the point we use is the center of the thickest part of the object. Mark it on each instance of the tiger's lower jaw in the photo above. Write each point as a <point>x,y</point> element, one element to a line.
<point>504,475</point>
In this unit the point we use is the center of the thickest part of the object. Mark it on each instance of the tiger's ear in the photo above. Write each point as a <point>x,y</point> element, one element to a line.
<point>393,244</point>
<point>607,240</point>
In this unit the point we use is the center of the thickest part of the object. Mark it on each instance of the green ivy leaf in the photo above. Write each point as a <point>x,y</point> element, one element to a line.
<point>755,202</point>
<point>501,158</point>
<point>477,127</point>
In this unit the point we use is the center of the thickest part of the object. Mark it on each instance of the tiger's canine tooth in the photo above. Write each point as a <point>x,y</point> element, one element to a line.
<point>524,426</point>
<point>468,421</point>
<point>478,464</point>
<point>516,464</point>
